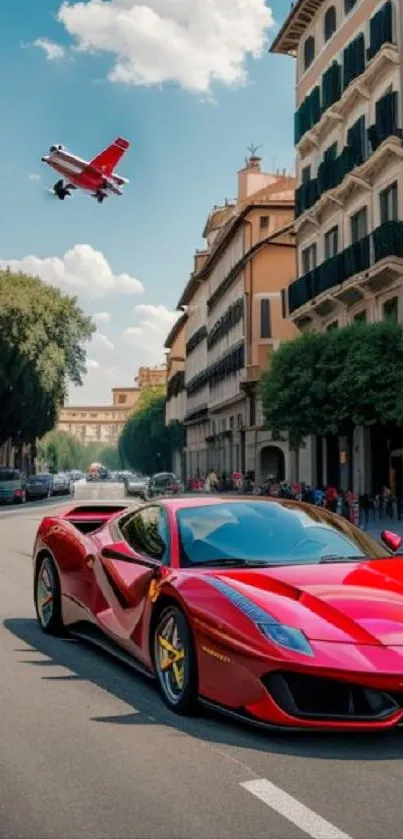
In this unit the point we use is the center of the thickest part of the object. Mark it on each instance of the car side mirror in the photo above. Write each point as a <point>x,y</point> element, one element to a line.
<point>392,540</point>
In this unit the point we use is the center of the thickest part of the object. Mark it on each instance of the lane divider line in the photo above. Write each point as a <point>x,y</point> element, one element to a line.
<point>291,809</point>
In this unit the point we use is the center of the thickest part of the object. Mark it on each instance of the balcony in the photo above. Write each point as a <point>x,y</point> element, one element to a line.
<point>344,86</point>
<point>358,164</point>
<point>366,267</point>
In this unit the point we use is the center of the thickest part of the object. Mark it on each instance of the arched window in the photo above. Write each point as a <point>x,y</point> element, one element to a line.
<point>330,23</point>
<point>309,52</point>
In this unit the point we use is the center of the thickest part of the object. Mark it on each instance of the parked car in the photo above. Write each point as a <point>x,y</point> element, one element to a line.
<point>164,483</point>
<point>135,485</point>
<point>39,486</point>
<point>62,484</point>
<point>12,486</point>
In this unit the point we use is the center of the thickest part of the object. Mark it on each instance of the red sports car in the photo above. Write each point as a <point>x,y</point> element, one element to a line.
<point>273,611</point>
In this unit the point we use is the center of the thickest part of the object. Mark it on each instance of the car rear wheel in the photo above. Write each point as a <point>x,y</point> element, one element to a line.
<point>48,603</point>
<point>175,661</point>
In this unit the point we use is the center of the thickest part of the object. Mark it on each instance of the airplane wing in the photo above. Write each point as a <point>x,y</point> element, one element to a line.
<point>108,159</point>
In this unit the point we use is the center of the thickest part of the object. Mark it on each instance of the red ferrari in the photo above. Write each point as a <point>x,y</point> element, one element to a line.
<point>275,612</point>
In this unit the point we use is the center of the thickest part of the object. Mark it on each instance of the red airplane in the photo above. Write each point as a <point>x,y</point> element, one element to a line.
<point>96,176</point>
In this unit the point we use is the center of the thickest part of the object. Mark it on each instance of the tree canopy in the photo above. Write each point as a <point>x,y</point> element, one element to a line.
<point>326,383</point>
<point>42,348</point>
<point>146,444</point>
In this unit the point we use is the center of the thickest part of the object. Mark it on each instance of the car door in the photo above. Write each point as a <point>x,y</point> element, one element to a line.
<point>125,570</point>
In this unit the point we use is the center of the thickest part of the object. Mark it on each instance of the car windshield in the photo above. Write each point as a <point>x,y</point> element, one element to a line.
<point>269,533</point>
<point>41,478</point>
<point>9,475</point>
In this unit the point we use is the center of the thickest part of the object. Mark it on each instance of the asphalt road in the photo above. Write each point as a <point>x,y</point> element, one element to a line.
<point>87,750</point>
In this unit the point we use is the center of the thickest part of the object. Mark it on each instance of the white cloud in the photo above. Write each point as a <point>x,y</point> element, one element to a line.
<point>54,52</point>
<point>101,317</point>
<point>92,364</point>
<point>150,333</point>
<point>82,270</point>
<point>191,42</point>
<point>34,177</point>
<point>103,340</point>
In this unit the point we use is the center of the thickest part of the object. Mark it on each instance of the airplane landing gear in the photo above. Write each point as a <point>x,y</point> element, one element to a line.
<point>100,196</point>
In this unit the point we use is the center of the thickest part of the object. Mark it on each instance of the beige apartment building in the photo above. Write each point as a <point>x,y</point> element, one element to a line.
<point>175,382</point>
<point>100,424</point>
<point>349,233</point>
<point>103,424</point>
<point>235,319</point>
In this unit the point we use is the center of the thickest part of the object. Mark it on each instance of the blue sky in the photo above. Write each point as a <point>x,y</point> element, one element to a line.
<point>186,147</point>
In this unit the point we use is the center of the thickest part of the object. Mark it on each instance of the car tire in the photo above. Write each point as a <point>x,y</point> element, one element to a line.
<point>47,585</point>
<point>178,685</point>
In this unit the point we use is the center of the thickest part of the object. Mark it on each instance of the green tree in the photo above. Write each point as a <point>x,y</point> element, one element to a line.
<point>327,383</point>
<point>42,348</point>
<point>146,444</point>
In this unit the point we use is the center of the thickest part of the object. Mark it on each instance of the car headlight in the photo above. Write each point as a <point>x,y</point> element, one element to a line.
<point>287,636</point>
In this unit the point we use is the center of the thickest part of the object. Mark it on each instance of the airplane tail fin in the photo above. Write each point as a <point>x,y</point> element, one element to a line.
<point>108,159</point>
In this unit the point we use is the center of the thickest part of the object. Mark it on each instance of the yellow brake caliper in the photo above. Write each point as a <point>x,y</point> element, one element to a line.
<point>171,657</point>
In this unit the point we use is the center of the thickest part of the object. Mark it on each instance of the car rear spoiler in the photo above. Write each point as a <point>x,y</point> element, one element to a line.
<point>102,512</point>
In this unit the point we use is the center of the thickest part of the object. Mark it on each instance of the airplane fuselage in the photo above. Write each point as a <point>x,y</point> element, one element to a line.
<point>82,174</point>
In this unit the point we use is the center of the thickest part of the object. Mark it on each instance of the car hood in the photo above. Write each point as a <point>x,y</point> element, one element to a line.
<point>360,603</point>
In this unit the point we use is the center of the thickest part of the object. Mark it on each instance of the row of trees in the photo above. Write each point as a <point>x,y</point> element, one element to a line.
<point>62,452</point>
<point>42,349</point>
<point>328,383</point>
<point>146,443</point>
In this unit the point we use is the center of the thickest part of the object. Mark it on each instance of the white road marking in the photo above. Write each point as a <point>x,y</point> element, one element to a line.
<point>305,819</point>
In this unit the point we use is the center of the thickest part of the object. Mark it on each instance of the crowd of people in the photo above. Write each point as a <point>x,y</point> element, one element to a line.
<point>359,509</point>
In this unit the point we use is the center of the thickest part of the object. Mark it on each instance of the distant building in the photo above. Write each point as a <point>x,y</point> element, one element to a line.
<point>103,424</point>
<point>151,376</point>
<point>176,393</point>
<point>235,320</point>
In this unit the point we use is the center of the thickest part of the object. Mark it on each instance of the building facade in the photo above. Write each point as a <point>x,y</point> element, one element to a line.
<point>176,393</point>
<point>349,197</point>
<point>235,319</point>
<point>151,376</point>
<point>101,424</point>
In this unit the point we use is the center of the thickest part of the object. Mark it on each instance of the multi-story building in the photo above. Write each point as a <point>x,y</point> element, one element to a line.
<point>151,376</point>
<point>348,136</point>
<point>101,424</point>
<point>176,393</point>
<point>235,319</point>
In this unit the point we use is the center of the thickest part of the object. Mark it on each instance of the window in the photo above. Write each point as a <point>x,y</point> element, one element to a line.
<point>122,398</point>
<point>283,304</point>
<point>252,411</point>
<point>349,5</point>
<point>361,317</point>
<point>357,140</point>
<point>146,531</point>
<point>333,325</point>
<point>330,23</point>
<point>388,204</point>
<point>309,52</point>
<point>331,242</point>
<point>391,309</point>
<point>306,174</point>
<point>308,258</point>
<point>330,154</point>
<point>264,222</point>
<point>359,225</point>
<point>265,318</point>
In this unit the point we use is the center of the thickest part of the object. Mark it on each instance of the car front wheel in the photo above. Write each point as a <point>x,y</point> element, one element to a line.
<point>175,661</point>
<point>47,595</point>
